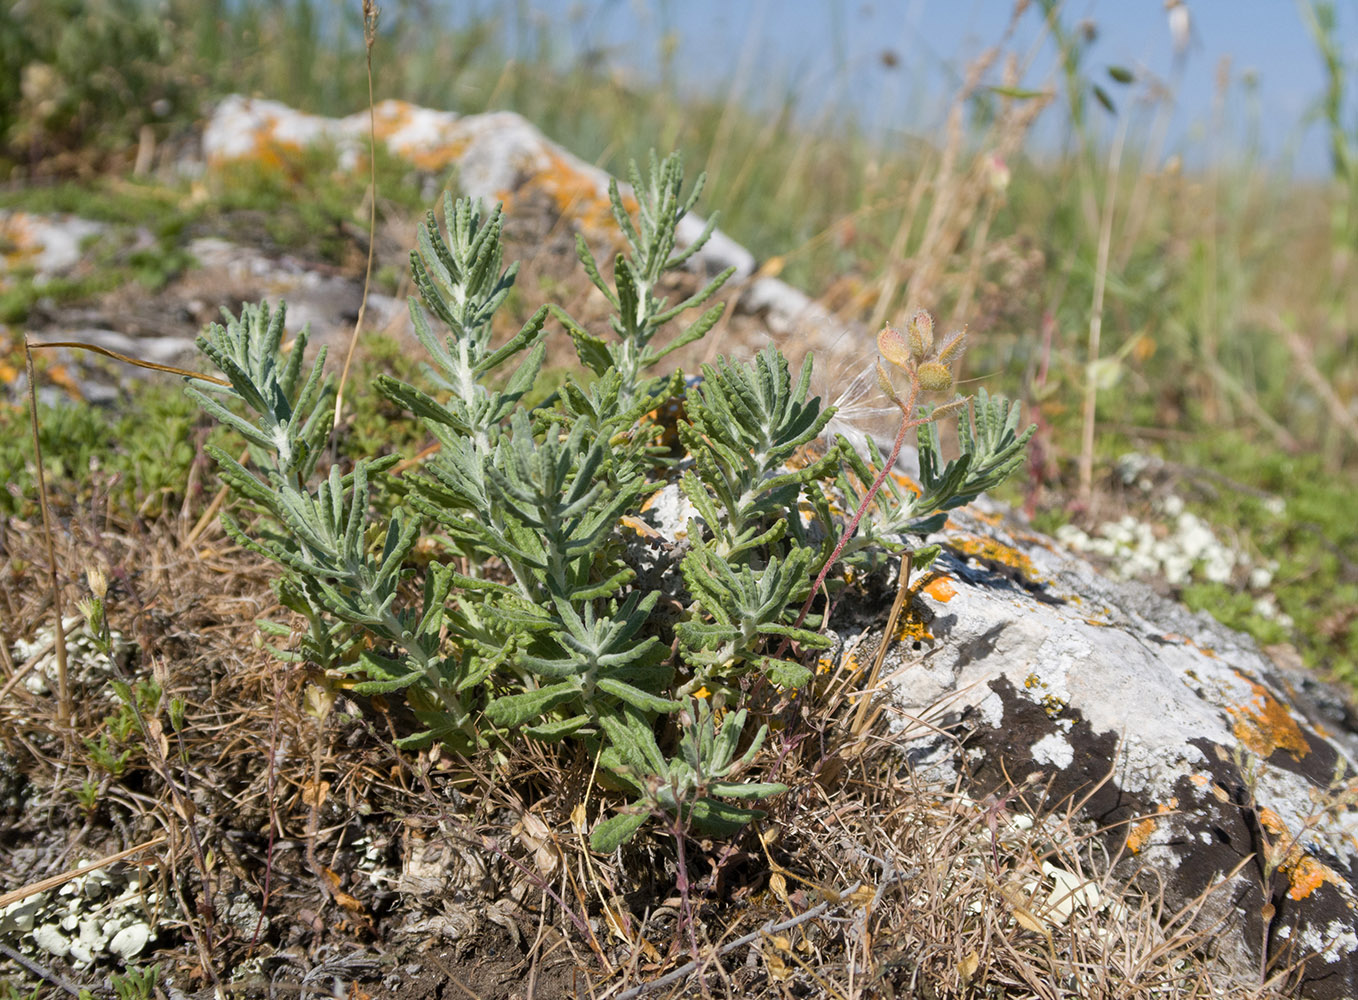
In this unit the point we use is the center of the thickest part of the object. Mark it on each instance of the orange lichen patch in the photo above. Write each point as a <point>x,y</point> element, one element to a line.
<point>578,196</point>
<point>910,630</point>
<point>905,482</point>
<point>992,551</point>
<point>1305,875</point>
<point>1263,724</point>
<point>812,451</point>
<point>639,526</point>
<point>1272,822</point>
<point>432,160</point>
<point>808,516</point>
<point>267,147</point>
<point>266,152</point>
<point>392,118</point>
<point>1200,780</point>
<point>1097,624</point>
<point>1184,640</point>
<point>59,375</point>
<point>1028,538</point>
<point>428,140</point>
<point>987,517</point>
<point>1140,833</point>
<point>941,589</point>
<point>18,243</point>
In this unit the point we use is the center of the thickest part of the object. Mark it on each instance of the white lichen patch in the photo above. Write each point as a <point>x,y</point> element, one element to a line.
<point>84,662</point>
<point>97,916</point>
<point>1054,749</point>
<point>1179,548</point>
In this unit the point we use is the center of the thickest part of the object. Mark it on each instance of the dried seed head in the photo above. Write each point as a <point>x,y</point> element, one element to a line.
<point>934,376</point>
<point>921,330</point>
<point>949,407</point>
<point>98,582</point>
<point>884,383</point>
<point>953,349</point>
<point>892,347</point>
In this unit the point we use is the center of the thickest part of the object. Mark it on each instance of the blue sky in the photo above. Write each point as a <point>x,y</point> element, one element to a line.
<point>831,53</point>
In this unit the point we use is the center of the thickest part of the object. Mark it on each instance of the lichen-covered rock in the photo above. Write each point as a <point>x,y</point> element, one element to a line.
<point>1208,762</point>
<point>497,157</point>
<point>46,245</point>
<point>501,157</point>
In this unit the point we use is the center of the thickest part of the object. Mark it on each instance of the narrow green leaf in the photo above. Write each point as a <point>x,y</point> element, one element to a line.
<point>516,709</point>
<point>612,833</point>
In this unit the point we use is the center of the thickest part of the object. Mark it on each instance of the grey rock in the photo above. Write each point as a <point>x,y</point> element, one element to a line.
<point>1207,761</point>
<point>49,244</point>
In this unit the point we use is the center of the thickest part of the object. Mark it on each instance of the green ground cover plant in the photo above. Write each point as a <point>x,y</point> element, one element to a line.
<point>528,620</point>
<point>138,461</point>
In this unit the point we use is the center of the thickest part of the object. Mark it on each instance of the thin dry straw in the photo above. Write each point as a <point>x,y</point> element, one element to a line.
<point>860,721</point>
<point>51,883</point>
<point>684,971</point>
<point>139,363</point>
<point>127,359</point>
<point>370,13</point>
<point>63,687</point>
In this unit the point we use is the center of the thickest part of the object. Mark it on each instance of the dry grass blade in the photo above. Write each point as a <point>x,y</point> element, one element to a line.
<point>1304,355</point>
<point>684,971</point>
<point>860,719</point>
<point>57,880</point>
<point>128,359</point>
<point>1091,390</point>
<point>59,626</point>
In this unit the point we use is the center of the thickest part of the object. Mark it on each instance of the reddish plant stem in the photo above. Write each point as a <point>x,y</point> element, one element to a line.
<point>907,423</point>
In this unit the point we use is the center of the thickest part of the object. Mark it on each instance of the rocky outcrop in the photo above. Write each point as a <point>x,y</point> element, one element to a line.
<point>498,157</point>
<point>501,157</point>
<point>1210,765</point>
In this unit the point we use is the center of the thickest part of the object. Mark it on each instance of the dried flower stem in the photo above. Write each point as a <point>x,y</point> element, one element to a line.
<point>907,423</point>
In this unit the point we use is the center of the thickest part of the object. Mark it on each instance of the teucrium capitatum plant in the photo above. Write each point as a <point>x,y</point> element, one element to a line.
<point>523,614</point>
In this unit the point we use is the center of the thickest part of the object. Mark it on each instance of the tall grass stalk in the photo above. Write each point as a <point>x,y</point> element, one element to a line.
<point>54,576</point>
<point>1092,373</point>
<point>370,14</point>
